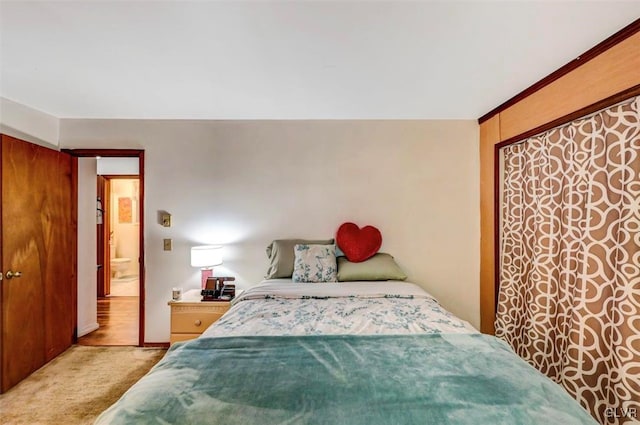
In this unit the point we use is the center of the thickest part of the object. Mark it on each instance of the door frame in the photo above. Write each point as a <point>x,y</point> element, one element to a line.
<point>127,153</point>
<point>102,258</point>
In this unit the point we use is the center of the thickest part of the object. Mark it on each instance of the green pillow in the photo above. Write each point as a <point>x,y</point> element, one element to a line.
<point>281,256</point>
<point>379,267</point>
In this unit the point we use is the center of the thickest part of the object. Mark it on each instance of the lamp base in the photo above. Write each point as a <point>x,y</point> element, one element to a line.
<point>206,273</point>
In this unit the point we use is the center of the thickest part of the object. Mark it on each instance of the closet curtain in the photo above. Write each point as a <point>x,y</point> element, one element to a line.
<point>569,295</point>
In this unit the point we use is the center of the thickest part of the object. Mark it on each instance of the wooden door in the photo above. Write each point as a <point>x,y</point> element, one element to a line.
<point>103,230</point>
<point>38,240</point>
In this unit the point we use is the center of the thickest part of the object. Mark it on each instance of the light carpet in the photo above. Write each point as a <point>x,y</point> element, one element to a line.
<point>75,387</point>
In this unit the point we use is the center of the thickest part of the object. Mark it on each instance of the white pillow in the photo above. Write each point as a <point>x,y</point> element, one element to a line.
<point>315,263</point>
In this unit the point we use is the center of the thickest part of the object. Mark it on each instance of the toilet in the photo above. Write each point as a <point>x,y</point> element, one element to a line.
<point>118,265</point>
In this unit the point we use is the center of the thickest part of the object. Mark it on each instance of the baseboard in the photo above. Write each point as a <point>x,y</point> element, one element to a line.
<point>87,329</point>
<point>156,344</point>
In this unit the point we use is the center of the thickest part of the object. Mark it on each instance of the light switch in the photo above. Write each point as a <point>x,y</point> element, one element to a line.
<point>166,220</point>
<point>167,244</point>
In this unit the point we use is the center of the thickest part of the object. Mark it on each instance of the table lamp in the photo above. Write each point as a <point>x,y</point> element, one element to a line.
<point>206,257</point>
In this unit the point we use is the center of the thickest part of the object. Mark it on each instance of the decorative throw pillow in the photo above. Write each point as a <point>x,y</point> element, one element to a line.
<point>314,263</point>
<point>356,243</point>
<point>379,267</point>
<point>281,256</point>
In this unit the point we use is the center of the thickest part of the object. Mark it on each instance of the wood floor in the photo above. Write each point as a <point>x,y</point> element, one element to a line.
<point>118,321</point>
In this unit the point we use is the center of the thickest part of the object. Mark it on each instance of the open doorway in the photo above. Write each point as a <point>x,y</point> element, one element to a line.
<point>117,245</point>
<point>117,257</point>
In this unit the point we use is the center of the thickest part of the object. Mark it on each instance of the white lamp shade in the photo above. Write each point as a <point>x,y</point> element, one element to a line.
<point>206,256</point>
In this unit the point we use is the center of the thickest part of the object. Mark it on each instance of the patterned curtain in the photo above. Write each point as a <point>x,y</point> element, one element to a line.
<point>569,298</point>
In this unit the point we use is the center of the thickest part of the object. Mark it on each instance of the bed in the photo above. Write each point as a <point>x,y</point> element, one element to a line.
<point>342,353</point>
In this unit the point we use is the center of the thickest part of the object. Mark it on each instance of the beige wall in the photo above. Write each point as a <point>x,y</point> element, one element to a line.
<point>244,183</point>
<point>87,247</point>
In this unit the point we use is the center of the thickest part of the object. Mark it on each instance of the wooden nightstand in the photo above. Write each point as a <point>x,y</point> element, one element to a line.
<point>190,316</point>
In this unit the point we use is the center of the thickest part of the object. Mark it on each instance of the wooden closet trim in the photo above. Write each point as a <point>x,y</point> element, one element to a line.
<point>621,61</point>
<point>595,107</point>
<point>489,136</point>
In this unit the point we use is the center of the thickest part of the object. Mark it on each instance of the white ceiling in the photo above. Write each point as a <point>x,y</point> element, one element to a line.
<point>290,60</point>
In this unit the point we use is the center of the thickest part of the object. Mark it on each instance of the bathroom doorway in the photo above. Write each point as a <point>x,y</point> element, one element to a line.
<point>114,316</point>
<point>120,239</point>
<point>118,259</point>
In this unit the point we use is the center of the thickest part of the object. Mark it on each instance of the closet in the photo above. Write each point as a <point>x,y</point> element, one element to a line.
<point>596,93</point>
<point>606,74</point>
<point>37,257</point>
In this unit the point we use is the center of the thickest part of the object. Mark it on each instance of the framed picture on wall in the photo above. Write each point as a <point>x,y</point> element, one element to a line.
<point>125,212</point>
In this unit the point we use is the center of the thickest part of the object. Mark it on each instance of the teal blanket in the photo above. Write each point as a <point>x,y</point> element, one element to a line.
<point>345,379</point>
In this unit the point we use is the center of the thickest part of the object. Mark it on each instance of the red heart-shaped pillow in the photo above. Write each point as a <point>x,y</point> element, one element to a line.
<point>358,244</point>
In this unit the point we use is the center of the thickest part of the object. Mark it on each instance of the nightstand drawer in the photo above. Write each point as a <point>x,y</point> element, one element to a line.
<point>195,319</point>
<point>192,322</point>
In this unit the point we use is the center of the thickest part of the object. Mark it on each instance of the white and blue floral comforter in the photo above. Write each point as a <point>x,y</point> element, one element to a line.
<point>281,307</point>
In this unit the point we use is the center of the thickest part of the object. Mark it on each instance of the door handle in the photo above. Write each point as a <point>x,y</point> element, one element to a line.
<point>11,275</point>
